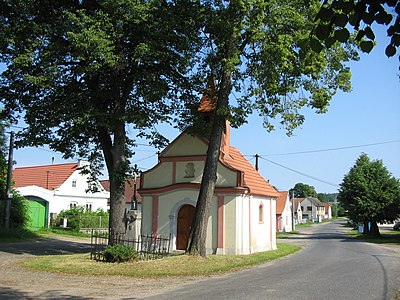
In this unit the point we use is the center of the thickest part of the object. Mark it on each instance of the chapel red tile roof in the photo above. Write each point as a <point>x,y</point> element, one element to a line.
<point>48,177</point>
<point>128,189</point>
<point>256,184</point>
<point>281,202</point>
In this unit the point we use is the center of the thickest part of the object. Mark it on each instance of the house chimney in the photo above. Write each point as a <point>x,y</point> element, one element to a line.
<point>226,139</point>
<point>52,160</point>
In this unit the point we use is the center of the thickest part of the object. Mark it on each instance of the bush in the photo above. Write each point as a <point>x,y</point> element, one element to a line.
<point>79,218</point>
<point>119,253</point>
<point>19,211</point>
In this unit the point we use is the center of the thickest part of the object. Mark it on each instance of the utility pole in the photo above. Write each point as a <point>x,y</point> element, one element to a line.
<point>7,206</point>
<point>257,156</point>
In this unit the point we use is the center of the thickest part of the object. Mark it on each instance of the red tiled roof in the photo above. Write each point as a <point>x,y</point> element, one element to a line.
<point>128,189</point>
<point>281,202</point>
<point>48,177</point>
<point>208,101</point>
<point>256,184</point>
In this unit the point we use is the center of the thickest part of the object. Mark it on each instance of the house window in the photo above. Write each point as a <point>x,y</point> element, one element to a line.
<point>74,183</point>
<point>309,207</point>
<point>73,205</point>
<point>88,206</point>
<point>261,213</point>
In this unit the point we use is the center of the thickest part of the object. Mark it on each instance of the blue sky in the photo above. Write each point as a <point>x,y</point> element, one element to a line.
<point>369,114</point>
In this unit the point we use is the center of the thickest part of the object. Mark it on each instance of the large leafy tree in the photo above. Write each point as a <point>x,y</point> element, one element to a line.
<point>260,52</point>
<point>302,190</point>
<point>370,194</point>
<point>80,71</point>
<point>336,17</point>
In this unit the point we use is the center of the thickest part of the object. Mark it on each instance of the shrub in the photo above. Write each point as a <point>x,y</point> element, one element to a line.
<point>79,218</point>
<point>19,211</point>
<point>119,253</point>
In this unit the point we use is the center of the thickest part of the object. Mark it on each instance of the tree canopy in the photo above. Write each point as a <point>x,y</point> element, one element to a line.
<point>259,51</point>
<point>370,194</point>
<point>336,16</point>
<point>79,72</point>
<point>302,190</point>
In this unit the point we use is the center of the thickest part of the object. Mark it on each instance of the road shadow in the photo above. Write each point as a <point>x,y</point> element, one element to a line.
<point>46,246</point>
<point>8,293</point>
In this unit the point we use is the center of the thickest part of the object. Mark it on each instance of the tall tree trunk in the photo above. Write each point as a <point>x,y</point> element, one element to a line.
<point>198,232</point>
<point>374,231</point>
<point>115,158</point>
<point>366,227</point>
<point>117,180</point>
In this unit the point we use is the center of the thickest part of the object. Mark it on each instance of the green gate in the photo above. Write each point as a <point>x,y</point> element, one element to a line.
<point>37,214</point>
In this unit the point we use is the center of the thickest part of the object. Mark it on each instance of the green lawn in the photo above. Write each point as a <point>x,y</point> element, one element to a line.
<point>387,237</point>
<point>177,265</point>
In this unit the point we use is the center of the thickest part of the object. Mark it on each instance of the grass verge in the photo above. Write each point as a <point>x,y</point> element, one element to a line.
<point>285,235</point>
<point>178,265</point>
<point>387,237</point>
<point>59,231</point>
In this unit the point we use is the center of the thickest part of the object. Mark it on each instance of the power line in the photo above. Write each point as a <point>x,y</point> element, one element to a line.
<point>301,173</point>
<point>331,149</point>
<point>136,161</point>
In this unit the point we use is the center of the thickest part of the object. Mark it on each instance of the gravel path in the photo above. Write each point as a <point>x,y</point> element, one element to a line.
<point>19,283</point>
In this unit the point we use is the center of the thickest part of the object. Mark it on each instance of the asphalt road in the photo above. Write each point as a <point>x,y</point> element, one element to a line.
<point>330,266</point>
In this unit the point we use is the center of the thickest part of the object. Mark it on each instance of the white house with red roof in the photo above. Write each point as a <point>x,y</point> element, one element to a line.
<point>56,187</point>
<point>243,208</point>
<point>283,212</point>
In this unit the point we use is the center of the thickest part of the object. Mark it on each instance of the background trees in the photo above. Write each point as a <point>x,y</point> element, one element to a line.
<point>370,194</point>
<point>302,190</point>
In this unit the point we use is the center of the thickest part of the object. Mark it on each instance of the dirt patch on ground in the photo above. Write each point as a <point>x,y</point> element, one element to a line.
<point>17,282</point>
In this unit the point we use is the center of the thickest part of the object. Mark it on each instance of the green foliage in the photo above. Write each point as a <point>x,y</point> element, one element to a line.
<point>262,48</point>
<point>78,217</point>
<point>302,190</point>
<point>370,193</point>
<point>19,215</point>
<point>99,66</point>
<point>119,253</point>
<point>336,16</point>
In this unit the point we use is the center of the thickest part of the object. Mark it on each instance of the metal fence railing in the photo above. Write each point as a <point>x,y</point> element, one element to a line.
<point>147,246</point>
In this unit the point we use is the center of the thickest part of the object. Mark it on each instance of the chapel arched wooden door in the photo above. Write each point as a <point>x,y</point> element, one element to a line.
<point>184,221</point>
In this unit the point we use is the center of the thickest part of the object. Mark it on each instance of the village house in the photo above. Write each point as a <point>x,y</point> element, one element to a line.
<point>283,212</point>
<point>328,211</point>
<point>52,188</point>
<point>313,210</point>
<point>298,213</point>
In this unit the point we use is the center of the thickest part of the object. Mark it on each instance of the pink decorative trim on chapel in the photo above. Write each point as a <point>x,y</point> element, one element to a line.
<point>173,172</point>
<point>155,216</point>
<point>221,221</point>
